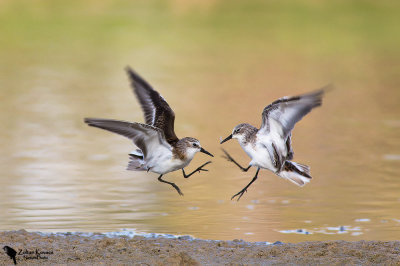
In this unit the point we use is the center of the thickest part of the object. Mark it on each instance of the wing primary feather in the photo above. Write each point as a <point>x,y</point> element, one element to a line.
<point>142,135</point>
<point>142,91</point>
<point>156,110</point>
<point>287,111</point>
<point>136,79</point>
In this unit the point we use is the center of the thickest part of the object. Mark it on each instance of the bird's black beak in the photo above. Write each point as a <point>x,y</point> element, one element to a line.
<point>206,152</point>
<point>228,138</point>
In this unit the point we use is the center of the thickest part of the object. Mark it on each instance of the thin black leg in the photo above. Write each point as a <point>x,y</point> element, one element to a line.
<point>200,168</point>
<point>172,184</point>
<point>229,158</point>
<point>246,187</point>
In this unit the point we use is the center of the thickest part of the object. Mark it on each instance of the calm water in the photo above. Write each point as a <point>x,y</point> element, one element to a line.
<point>218,63</point>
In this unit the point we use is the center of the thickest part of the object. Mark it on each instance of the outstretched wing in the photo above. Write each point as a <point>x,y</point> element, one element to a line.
<point>147,138</point>
<point>156,110</point>
<point>283,114</point>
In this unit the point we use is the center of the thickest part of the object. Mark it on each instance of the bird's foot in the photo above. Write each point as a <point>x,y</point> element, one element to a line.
<point>227,156</point>
<point>240,194</point>
<point>177,189</point>
<point>172,184</point>
<point>200,168</point>
<point>230,159</point>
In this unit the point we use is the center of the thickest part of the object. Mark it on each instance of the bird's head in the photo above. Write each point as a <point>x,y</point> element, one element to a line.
<point>239,132</point>
<point>191,146</point>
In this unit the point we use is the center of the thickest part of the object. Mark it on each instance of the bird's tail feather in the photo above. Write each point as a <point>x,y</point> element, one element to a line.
<point>296,173</point>
<point>136,163</point>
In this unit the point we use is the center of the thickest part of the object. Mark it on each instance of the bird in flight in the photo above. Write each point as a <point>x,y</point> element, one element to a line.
<point>270,146</point>
<point>159,149</point>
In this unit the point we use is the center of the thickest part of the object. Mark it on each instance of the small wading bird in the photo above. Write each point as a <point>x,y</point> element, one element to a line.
<point>270,146</point>
<point>160,151</point>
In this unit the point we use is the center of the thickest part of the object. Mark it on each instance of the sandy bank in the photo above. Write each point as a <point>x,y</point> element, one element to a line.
<point>35,248</point>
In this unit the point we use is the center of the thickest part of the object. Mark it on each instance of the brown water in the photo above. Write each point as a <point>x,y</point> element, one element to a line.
<point>218,63</point>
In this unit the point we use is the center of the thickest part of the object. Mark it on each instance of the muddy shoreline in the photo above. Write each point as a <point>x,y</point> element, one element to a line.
<point>89,249</point>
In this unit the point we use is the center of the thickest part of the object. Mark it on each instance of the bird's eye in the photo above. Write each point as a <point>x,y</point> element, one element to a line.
<point>195,145</point>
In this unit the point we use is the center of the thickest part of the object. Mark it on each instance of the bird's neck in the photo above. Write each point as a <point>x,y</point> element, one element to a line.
<point>180,153</point>
<point>249,136</point>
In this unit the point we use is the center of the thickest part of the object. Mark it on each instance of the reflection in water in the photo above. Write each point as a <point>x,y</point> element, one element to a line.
<point>218,65</point>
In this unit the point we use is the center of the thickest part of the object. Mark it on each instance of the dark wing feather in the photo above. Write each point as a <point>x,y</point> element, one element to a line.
<point>147,138</point>
<point>287,111</point>
<point>289,148</point>
<point>156,110</point>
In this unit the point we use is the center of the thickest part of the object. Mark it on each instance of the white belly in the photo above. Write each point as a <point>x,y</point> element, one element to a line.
<point>168,165</point>
<point>260,157</point>
<point>163,162</point>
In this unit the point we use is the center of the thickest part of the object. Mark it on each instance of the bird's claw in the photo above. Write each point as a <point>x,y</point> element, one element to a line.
<point>199,169</point>
<point>239,193</point>
<point>227,156</point>
<point>178,190</point>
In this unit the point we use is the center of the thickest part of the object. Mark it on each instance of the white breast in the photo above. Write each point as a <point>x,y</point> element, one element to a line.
<point>168,165</point>
<point>273,137</point>
<point>259,154</point>
<point>163,162</point>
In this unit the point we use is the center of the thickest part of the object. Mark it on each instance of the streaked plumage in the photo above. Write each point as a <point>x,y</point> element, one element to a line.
<point>269,147</point>
<point>159,149</point>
